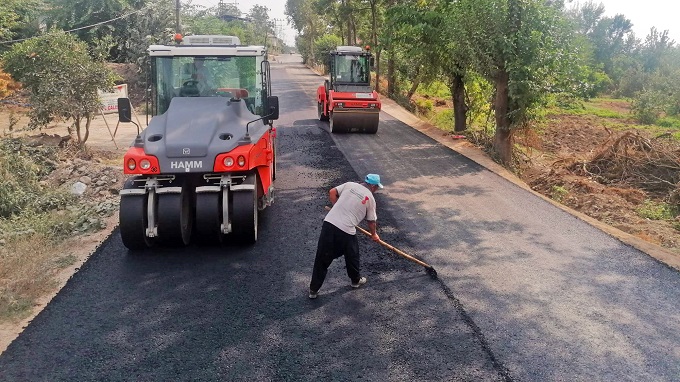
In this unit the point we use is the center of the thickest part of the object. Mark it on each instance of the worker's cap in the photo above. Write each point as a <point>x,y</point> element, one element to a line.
<point>374,179</point>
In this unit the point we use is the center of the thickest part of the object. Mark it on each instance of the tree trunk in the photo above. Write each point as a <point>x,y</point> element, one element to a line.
<point>502,140</point>
<point>88,121</point>
<point>413,88</point>
<point>460,108</point>
<point>374,33</point>
<point>377,70</point>
<point>391,82</point>
<point>76,123</point>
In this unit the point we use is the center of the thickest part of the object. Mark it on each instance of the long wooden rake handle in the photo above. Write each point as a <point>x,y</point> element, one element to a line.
<point>397,250</point>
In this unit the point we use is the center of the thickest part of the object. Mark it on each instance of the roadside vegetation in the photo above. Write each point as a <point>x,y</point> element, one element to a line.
<point>39,212</point>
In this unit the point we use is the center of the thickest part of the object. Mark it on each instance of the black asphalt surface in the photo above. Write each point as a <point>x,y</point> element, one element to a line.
<point>525,292</point>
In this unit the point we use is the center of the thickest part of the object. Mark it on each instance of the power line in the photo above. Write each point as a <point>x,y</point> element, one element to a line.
<point>85,27</point>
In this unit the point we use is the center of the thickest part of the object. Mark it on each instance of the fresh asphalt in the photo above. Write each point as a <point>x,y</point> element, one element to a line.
<point>525,291</point>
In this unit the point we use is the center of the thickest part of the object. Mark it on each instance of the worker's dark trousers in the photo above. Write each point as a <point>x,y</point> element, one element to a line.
<point>333,243</point>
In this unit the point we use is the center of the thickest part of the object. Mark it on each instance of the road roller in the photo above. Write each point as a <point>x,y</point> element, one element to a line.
<point>204,166</point>
<point>347,99</point>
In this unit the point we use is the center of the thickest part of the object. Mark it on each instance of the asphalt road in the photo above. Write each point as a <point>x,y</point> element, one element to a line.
<point>525,291</point>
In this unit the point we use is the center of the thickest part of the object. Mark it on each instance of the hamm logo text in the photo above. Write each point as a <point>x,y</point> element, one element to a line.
<point>187,165</point>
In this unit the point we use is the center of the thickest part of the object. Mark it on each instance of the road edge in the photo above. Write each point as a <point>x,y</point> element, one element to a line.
<point>473,153</point>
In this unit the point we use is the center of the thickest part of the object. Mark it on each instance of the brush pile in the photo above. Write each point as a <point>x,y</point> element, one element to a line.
<point>633,160</point>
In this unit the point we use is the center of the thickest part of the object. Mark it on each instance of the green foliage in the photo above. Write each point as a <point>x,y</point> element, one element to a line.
<point>435,89</point>
<point>21,169</point>
<point>322,47</point>
<point>479,94</point>
<point>443,120</point>
<point>671,122</point>
<point>423,105</point>
<point>656,211</point>
<point>594,107</point>
<point>647,107</point>
<point>63,76</point>
<point>558,193</point>
<point>19,19</point>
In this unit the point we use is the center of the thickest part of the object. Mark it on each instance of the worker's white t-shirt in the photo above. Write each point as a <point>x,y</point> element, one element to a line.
<point>355,203</point>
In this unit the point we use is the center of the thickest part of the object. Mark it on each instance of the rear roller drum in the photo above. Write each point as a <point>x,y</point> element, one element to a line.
<point>208,217</point>
<point>174,218</point>
<point>244,217</point>
<point>133,221</point>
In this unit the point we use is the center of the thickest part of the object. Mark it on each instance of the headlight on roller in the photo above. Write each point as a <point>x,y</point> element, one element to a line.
<point>131,165</point>
<point>228,162</point>
<point>241,160</point>
<point>144,164</point>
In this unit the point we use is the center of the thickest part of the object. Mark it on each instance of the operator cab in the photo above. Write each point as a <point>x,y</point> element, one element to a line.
<point>350,68</point>
<point>209,66</point>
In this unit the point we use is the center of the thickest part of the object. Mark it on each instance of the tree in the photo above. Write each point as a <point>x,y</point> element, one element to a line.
<point>307,22</point>
<point>524,48</point>
<point>427,35</point>
<point>262,24</point>
<point>63,78</point>
<point>19,18</point>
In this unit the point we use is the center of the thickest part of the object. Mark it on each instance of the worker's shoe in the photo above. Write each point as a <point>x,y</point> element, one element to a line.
<point>359,283</point>
<point>313,294</point>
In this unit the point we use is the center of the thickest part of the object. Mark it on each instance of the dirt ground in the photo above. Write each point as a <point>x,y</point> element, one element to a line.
<point>575,160</point>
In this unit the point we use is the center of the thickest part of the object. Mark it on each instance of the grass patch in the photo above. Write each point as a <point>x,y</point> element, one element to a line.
<point>26,273</point>
<point>35,219</point>
<point>656,211</point>
<point>558,193</point>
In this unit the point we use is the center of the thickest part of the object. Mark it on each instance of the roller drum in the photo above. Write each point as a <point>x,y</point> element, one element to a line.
<point>355,121</point>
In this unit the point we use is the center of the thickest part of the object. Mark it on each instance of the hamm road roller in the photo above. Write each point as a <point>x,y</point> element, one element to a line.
<point>347,99</point>
<point>205,164</point>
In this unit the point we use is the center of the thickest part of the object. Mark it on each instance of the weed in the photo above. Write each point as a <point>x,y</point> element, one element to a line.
<point>655,211</point>
<point>558,193</point>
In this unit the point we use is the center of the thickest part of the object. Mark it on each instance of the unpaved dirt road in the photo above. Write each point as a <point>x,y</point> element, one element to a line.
<point>526,292</point>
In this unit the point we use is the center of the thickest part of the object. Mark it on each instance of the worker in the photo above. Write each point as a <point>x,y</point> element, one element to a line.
<point>205,81</point>
<point>352,202</point>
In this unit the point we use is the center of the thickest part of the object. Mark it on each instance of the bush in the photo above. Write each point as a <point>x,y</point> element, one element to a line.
<point>647,107</point>
<point>322,47</point>
<point>21,169</point>
<point>423,106</point>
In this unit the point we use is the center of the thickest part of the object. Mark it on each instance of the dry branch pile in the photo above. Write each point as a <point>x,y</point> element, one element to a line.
<point>633,160</point>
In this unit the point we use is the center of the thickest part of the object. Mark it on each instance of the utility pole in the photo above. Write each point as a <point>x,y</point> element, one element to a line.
<point>278,30</point>
<point>177,25</point>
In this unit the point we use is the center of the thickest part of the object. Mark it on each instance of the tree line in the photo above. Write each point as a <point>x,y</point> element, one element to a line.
<point>510,57</point>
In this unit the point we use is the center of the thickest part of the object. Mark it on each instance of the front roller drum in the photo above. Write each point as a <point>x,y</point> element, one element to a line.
<point>244,211</point>
<point>355,121</point>
<point>132,216</point>
<point>175,217</point>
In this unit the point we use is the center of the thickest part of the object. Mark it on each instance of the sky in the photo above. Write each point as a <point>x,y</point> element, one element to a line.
<point>276,9</point>
<point>645,14</point>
